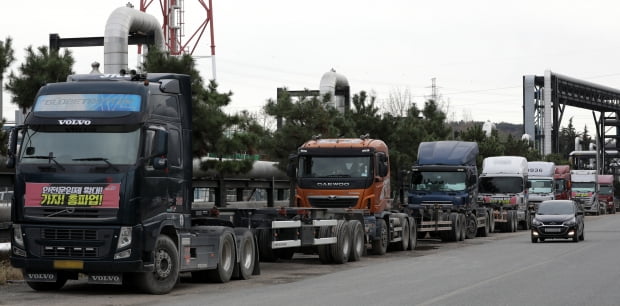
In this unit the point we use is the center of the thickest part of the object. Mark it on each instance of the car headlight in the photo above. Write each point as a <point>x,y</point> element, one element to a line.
<point>570,222</point>
<point>536,222</point>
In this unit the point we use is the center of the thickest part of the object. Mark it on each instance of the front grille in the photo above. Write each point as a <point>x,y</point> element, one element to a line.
<point>333,202</point>
<point>61,251</point>
<point>68,234</point>
<point>63,212</point>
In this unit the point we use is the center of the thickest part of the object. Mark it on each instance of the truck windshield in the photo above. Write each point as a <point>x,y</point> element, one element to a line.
<point>438,181</point>
<point>500,185</point>
<point>117,148</point>
<point>332,166</point>
<point>583,186</point>
<point>605,189</point>
<point>560,185</point>
<point>540,186</point>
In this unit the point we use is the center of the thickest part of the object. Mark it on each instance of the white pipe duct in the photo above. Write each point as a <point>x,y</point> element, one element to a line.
<point>122,21</point>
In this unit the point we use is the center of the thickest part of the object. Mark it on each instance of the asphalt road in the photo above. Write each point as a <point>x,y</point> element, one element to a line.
<point>504,269</point>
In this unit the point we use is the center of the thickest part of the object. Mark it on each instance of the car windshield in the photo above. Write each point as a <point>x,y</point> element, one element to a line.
<point>556,208</point>
<point>118,147</point>
<point>438,181</point>
<point>335,166</point>
<point>503,184</point>
<point>584,186</point>
<point>540,185</point>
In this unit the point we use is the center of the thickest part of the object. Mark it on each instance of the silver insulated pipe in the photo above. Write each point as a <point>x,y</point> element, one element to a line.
<point>122,21</point>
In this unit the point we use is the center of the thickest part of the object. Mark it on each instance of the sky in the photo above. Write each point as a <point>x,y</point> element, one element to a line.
<point>477,51</point>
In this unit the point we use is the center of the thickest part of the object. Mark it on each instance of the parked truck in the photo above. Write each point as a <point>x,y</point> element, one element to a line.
<point>585,191</point>
<point>103,187</point>
<point>606,193</point>
<point>542,183</point>
<point>348,180</point>
<point>562,182</point>
<point>503,188</point>
<point>443,192</point>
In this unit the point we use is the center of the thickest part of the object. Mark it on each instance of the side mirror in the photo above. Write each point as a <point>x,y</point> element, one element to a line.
<point>160,144</point>
<point>12,148</point>
<point>291,168</point>
<point>528,184</point>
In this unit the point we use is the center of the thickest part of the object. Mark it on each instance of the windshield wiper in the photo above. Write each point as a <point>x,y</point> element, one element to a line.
<point>110,165</point>
<point>50,158</point>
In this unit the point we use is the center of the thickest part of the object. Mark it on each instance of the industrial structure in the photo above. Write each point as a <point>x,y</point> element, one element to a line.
<point>545,99</point>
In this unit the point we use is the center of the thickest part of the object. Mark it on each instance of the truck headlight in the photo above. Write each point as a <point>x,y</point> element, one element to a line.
<point>124,238</point>
<point>18,236</point>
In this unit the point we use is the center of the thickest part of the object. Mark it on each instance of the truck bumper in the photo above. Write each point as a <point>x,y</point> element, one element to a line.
<point>87,266</point>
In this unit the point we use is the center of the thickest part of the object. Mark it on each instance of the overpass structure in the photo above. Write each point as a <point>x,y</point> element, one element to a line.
<point>545,98</point>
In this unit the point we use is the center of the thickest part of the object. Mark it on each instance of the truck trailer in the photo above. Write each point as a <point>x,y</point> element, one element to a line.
<point>503,188</point>
<point>443,191</point>
<point>103,187</point>
<point>348,181</point>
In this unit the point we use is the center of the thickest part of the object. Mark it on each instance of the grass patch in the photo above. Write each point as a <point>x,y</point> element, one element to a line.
<point>8,273</point>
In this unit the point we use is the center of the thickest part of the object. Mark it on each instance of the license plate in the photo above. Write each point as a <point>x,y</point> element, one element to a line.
<point>552,230</point>
<point>69,264</point>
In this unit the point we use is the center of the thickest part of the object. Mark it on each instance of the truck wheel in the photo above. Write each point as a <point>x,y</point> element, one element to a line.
<point>226,262</point>
<point>379,246</point>
<point>325,254</point>
<point>472,226</point>
<point>509,222</point>
<point>264,246</point>
<point>491,222</point>
<point>357,240</point>
<point>342,248</point>
<point>61,280</point>
<point>404,242</point>
<point>463,224</point>
<point>166,273</point>
<point>413,234</point>
<point>515,221</point>
<point>484,231</point>
<point>247,254</point>
<point>455,232</point>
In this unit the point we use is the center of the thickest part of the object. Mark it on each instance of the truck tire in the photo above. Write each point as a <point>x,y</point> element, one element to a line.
<point>484,231</point>
<point>342,249</point>
<point>413,234</point>
<point>515,221</point>
<point>325,254</point>
<point>491,222</point>
<point>380,243</point>
<point>455,232</point>
<point>61,280</point>
<point>471,226</point>
<point>247,254</point>
<point>226,263</point>
<point>526,223</point>
<point>403,245</point>
<point>463,222</point>
<point>265,251</point>
<point>166,273</point>
<point>357,240</point>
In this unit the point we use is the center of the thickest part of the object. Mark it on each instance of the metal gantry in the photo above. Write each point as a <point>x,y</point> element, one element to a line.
<point>546,97</point>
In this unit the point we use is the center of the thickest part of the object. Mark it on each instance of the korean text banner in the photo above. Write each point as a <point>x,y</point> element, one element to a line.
<point>103,195</point>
